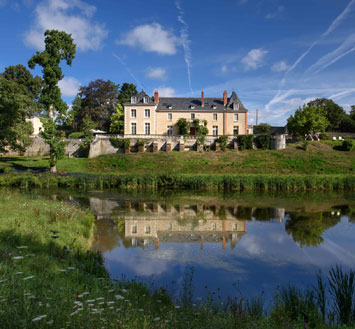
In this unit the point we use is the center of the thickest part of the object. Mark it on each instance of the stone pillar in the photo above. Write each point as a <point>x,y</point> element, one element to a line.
<point>217,147</point>
<point>235,146</point>
<point>181,146</point>
<point>155,147</point>
<point>168,146</point>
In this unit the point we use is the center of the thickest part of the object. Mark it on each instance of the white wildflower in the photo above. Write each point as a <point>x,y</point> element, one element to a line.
<point>30,255</point>
<point>29,277</point>
<point>100,298</point>
<point>1,281</point>
<point>63,271</point>
<point>112,290</point>
<point>177,306</point>
<point>156,319</point>
<point>17,257</point>
<point>18,273</point>
<point>119,297</point>
<point>141,310</point>
<point>22,247</point>
<point>90,301</point>
<point>83,294</point>
<point>39,318</point>
<point>110,303</point>
<point>71,268</point>
<point>124,290</point>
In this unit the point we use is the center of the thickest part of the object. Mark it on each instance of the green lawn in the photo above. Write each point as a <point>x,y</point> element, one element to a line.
<point>320,158</point>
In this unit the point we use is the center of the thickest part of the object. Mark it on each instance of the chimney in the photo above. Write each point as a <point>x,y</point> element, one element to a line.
<point>202,99</point>
<point>225,98</point>
<point>156,97</point>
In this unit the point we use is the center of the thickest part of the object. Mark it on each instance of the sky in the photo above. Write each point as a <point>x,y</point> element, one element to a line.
<point>275,54</point>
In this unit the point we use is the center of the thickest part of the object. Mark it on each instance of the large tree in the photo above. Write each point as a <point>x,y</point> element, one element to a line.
<point>98,102</point>
<point>126,92</point>
<point>307,120</point>
<point>59,46</point>
<point>19,91</point>
<point>334,112</point>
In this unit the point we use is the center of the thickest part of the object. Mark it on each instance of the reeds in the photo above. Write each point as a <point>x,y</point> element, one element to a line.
<point>228,182</point>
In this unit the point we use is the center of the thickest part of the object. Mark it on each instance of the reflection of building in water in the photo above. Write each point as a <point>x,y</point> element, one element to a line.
<point>153,223</point>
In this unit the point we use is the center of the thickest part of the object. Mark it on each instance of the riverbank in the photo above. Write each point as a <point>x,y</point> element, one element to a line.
<point>50,279</point>
<point>319,158</point>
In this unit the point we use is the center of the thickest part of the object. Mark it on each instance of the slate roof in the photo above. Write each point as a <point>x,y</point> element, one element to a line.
<point>189,104</point>
<point>192,104</point>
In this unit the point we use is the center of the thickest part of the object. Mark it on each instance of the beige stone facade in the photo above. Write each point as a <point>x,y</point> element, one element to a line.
<point>37,125</point>
<point>159,116</point>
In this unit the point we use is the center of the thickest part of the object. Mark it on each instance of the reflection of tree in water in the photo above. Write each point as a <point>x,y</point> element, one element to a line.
<point>307,228</point>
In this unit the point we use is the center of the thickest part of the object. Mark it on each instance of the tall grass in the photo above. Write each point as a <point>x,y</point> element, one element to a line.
<point>185,181</point>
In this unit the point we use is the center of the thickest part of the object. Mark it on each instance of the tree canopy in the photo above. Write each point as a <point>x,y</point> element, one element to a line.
<point>98,102</point>
<point>59,46</point>
<point>307,120</point>
<point>126,92</point>
<point>19,91</point>
<point>334,112</point>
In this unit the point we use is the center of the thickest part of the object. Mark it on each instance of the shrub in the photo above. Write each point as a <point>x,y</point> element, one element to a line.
<point>347,145</point>
<point>222,140</point>
<point>126,143</point>
<point>183,126</point>
<point>242,142</point>
<point>117,143</point>
<point>263,141</point>
<point>250,139</point>
<point>76,134</point>
<point>140,143</point>
<point>323,136</point>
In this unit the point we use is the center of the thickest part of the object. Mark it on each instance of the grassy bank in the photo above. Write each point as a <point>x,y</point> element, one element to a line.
<point>226,182</point>
<point>51,280</point>
<point>320,158</point>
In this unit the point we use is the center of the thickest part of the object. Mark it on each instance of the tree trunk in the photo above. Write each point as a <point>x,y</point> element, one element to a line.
<point>53,169</point>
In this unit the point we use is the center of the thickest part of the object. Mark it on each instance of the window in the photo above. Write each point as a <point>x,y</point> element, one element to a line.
<point>133,128</point>
<point>147,128</point>
<point>134,229</point>
<point>170,130</point>
<point>235,130</point>
<point>147,113</point>
<point>215,131</point>
<point>214,116</point>
<point>145,100</point>
<point>134,242</point>
<point>214,226</point>
<point>192,116</point>
<point>133,113</point>
<point>235,227</point>
<point>147,230</point>
<point>133,99</point>
<point>236,117</point>
<point>170,226</point>
<point>170,116</point>
<point>236,106</point>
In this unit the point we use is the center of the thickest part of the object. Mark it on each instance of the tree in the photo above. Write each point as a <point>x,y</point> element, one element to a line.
<point>19,91</point>
<point>117,121</point>
<point>126,92</point>
<point>183,126</point>
<point>334,113</point>
<point>58,46</point>
<point>98,102</point>
<point>263,128</point>
<point>307,120</point>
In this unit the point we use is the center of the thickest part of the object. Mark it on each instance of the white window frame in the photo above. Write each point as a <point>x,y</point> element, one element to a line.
<point>134,229</point>
<point>193,116</point>
<point>170,117</point>
<point>169,130</point>
<point>147,230</point>
<point>235,130</point>
<point>215,130</point>
<point>146,124</point>
<point>236,117</point>
<point>215,117</point>
<point>214,226</point>
<point>135,113</point>
<point>145,100</point>
<point>133,124</point>
<point>145,113</point>
<point>134,99</point>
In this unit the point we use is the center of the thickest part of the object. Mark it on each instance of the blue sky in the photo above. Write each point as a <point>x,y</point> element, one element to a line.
<point>275,54</point>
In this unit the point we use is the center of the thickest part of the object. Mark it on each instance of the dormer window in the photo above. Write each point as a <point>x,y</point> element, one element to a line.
<point>170,107</point>
<point>145,100</point>
<point>214,107</point>
<point>133,99</point>
<point>192,107</point>
<point>236,106</point>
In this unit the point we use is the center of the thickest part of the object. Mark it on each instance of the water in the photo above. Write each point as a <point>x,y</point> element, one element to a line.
<point>237,244</point>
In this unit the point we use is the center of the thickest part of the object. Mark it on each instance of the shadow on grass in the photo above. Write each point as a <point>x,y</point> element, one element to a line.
<point>11,163</point>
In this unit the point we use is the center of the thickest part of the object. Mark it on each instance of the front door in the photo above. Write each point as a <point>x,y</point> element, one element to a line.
<point>192,131</point>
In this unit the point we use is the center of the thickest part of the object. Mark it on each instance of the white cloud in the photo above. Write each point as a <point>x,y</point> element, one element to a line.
<point>278,11</point>
<point>69,86</point>
<point>254,59</point>
<point>166,91</point>
<point>156,73</point>
<point>151,38</point>
<point>279,66</point>
<point>71,16</point>
<point>224,68</point>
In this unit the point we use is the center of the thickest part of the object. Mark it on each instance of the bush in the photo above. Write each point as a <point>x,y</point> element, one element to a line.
<point>76,134</point>
<point>347,145</point>
<point>250,139</point>
<point>117,143</point>
<point>222,140</point>
<point>242,142</point>
<point>140,143</point>
<point>323,136</point>
<point>263,141</point>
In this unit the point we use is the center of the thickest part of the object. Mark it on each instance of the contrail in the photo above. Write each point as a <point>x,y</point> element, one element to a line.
<point>184,37</point>
<point>128,70</point>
